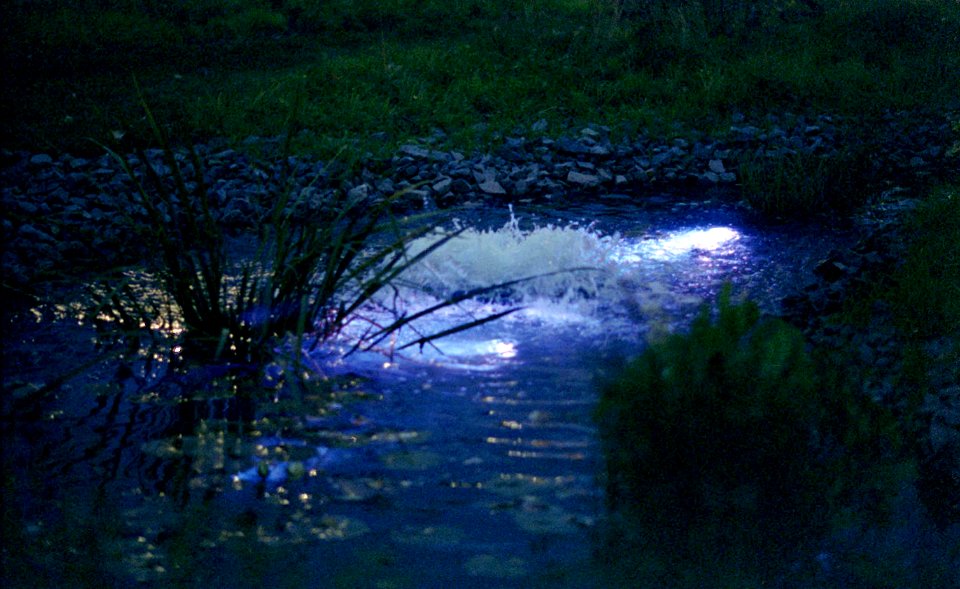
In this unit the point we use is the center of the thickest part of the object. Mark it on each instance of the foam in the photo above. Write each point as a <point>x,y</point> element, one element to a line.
<point>565,264</point>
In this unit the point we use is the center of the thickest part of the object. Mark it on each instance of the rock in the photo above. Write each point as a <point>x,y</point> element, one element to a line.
<point>57,186</point>
<point>75,163</point>
<point>492,187</point>
<point>386,186</point>
<point>418,197</point>
<point>358,193</point>
<point>31,233</point>
<point>41,160</point>
<point>661,158</point>
<point>415,151</point>
<point>571,147</point>
<point>583,179</point>
<point>460,186</point>
<point>442,186</point>
<point>832,269</point>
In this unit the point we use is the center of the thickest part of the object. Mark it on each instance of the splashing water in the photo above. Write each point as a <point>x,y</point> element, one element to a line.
<point>570,279</point>
<point>568,264</point>
<point>471,463</point>
<point>562,263</point>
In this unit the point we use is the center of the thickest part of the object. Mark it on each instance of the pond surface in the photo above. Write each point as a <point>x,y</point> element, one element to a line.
<point>471,463</point>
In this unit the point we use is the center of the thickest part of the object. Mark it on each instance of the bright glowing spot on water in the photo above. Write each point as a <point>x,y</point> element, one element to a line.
<point>502,349</point>
<point>707,240</point>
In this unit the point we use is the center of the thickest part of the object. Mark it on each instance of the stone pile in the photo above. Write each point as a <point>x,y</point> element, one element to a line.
<point>63,210</point>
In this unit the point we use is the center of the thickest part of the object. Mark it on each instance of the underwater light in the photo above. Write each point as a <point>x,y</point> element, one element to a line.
<point>503,349</point>
<point>707,240</point>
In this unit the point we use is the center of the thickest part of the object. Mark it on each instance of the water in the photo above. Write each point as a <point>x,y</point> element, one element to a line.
<point>473,461</point>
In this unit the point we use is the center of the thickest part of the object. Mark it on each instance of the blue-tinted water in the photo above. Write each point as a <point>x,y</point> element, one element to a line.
<point>474,462</point>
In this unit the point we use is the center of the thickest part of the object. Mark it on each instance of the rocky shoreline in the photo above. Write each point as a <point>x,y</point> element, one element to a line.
<point>61,211</point>
<point>66,214</point>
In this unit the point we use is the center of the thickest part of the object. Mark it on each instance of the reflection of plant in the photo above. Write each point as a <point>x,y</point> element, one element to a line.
<point>305,275</point>
<point>730,434</point>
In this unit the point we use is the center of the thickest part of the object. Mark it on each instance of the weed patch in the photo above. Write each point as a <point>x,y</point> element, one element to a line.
<point>927,296</point>
<point>732,441</point>
<point>797,184</point>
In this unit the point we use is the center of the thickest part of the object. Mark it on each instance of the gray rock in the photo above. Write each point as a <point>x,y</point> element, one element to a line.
<point>41,159</point>
<point>716,166</point>
<point>571,146</point>
<point>492,187</point>
<point>359,192</point>
<point>31,233</point>
<point>583,179</point>
<point>661,158</point>
<point>417,196</point>
<point>415,151</point>
<point>27,207</point>
<point>442,186</point>
<point>75,163</point>
<point>460,186</point>
<point>386,186</point>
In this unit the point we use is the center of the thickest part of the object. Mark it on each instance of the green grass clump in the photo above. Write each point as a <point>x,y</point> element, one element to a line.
<point>927,295</point>
<point>732,446</point>
<point>796,184</point>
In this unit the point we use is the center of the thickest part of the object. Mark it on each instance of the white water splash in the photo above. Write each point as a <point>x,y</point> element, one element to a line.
<point>576,283</point>
<point>563,264</point>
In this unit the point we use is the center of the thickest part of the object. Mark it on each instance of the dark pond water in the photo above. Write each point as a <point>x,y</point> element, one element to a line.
<point>472,464</point>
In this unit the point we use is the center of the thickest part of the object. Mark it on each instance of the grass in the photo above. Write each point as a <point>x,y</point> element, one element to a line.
<point>927,295</point>
<point>733,453</point>
<point>798,184</point>
<point>475,69</point>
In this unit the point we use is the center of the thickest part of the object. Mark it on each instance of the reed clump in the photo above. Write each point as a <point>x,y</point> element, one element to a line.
<point>308,277</point>
<point>733,440</point>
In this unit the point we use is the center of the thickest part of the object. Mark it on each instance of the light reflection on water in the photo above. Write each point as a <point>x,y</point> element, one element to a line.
<point>605,282</point>
<point>487,436</point>
<point>709,242</point>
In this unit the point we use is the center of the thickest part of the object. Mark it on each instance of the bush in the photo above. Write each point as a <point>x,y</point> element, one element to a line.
<point>803,184</point>
<point>731,436</point>
<point>927,296</point>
